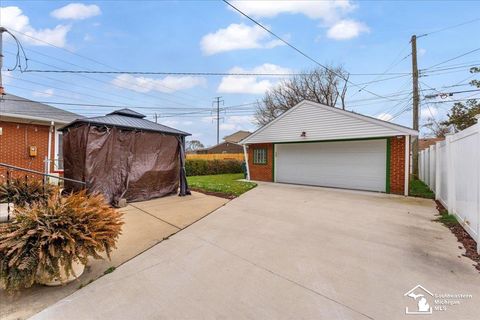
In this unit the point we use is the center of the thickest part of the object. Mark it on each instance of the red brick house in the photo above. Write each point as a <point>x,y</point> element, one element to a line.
<point>314,144</point>
<point>424,143</point>
<point>29,135</point>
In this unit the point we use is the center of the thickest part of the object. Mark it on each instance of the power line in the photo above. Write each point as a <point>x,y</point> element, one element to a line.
<point>248,74</point>
<point>95,61</point>
<point>452,67</point>
<point>456,100</point>
<point>296,49</point>
<point>449,94</point>
<point>454,58</point>
<point>111,106</point>
<point>449,27</point>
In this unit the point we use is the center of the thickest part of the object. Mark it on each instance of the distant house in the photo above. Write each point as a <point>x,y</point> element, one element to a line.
<point>424,143</point>
<point>29,136</point>
<point>229,145</point>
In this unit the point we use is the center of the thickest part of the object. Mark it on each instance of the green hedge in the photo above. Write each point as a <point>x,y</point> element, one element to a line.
<point>200,167</point>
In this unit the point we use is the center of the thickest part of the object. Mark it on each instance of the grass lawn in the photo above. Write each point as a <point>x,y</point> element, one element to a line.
<point>223,184</point>
<point>420,189</point>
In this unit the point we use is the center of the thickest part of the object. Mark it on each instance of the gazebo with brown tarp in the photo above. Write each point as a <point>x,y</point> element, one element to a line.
<point>125,156</point>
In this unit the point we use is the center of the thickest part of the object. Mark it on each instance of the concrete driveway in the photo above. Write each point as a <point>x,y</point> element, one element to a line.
<point>290,252</point>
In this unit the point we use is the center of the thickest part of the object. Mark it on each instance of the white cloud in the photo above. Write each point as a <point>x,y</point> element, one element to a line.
<point>385,116</point>
<point>241,120</point>
<point>76,11</point>
<point>14,19</point>
<point>428,112</point>
<point>167,84</point>
<point>227,126</point>
<point>251,84</point>
<point>235,123</point>
<point>87,37</point>
<point>331,14</point>
<point>170,123</point>
<point>206,119</point>
<point>187,123</point>
<point>8,76</point>
<point>346,29</point>
<point>47,93</point>
<point>236,37</point>
<point>323,10</point>
<point>421,52</point>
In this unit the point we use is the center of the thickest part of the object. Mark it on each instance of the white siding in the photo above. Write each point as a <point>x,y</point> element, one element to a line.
<point>323,123</point>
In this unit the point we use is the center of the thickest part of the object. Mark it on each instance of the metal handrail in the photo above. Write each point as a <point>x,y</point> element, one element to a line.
<point>9,166</point>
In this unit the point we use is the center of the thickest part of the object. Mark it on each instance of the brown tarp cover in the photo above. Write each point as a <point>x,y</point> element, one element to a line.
<point>118,163</point>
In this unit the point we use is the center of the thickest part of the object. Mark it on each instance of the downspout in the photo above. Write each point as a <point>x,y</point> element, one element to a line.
<point>246,160</point>
<point>407,165</point>
<point>49,149</point>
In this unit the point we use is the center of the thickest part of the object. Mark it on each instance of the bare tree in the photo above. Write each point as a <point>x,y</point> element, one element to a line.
<point>194,145</point>
<point>438,130</point>
<point>319,85</point>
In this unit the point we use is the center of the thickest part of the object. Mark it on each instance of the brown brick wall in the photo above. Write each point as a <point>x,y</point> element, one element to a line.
<point>397,165</point>
<point>261,172</point>
<point>15,140</point>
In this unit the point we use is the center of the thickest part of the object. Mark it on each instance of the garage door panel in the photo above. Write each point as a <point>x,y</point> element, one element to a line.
<point>347,164</point>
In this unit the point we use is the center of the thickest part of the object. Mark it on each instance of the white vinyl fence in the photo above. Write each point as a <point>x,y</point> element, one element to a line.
<point>451,169</point>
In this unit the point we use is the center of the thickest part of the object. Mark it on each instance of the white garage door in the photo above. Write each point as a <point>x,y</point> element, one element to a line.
<point>347,164</point>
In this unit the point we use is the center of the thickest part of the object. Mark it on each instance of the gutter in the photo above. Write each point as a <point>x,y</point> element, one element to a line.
<point>21,116</point>
<point>49,148</point>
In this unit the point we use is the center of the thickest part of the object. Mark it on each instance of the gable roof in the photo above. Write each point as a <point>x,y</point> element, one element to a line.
<point>237,136</point>
<point>18,107</point>
<point>320,122</point>
<point>127,119</point>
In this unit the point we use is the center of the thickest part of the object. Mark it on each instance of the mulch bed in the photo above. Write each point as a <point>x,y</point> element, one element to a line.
<point>463,237</point>
<point>216,194</point>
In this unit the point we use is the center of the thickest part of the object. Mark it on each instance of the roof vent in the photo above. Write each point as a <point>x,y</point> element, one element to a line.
<point>128,113</point>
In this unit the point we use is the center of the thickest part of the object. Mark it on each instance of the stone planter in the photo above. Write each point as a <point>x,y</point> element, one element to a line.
<point>78,269</point>
<point>4,211</point>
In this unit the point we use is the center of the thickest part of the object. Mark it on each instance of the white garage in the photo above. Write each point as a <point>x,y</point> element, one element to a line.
<point>343,164</point>
<point>314,144</point>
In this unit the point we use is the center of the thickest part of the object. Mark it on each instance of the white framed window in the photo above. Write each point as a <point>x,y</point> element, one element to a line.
<point>260,156</point>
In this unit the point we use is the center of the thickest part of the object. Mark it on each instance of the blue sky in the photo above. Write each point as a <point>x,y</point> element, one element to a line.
<point>189,36</point>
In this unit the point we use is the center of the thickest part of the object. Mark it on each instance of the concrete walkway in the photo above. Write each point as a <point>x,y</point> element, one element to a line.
<point>146,224</point>
<point>289,252</point>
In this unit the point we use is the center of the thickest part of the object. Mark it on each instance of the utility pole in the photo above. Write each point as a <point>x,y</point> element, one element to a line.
<point>2,30</point>
<point>217,102</point>
<point>156,117</point>
<point>415,108</point>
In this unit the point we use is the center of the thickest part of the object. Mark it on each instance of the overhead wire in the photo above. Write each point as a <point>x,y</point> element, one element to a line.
<point>341,76</point>
<point>93,60</point>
